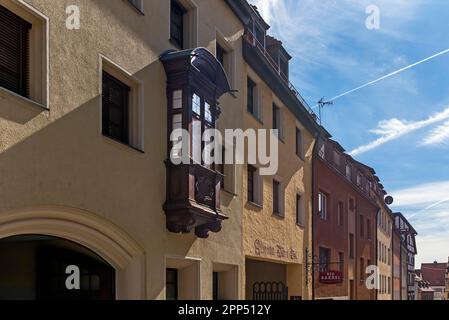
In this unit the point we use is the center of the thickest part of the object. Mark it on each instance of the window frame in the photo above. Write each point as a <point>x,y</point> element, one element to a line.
<point>178,11</point>
<point>21,58</point>
<point>299,211</point>
<point>323,205</point>
<point>138,5</point>
<point>299,143</point>
<point>175,283</point>
<point>106,108</point>
<point>277,198</point>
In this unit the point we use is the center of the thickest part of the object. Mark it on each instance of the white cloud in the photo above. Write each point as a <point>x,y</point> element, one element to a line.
<point>393,129</point>
<point>428,212</point>
<point>438,136</point>
<point>424,194</point>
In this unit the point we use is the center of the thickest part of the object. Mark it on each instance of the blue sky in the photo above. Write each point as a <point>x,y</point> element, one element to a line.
<point>399,126</point>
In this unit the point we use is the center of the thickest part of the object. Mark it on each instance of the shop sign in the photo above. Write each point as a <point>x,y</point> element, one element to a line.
<point>331,277</point>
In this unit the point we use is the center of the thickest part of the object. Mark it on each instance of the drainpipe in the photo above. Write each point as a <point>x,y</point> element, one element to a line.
<point>314,177</point>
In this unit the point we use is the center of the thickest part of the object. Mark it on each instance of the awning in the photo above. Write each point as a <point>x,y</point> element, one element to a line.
<point>204,62</point>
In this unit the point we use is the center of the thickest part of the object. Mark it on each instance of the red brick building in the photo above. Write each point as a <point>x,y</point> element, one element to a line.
<point>344,224</point>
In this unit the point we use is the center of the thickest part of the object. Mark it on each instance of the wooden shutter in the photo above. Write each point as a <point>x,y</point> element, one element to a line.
<point>115,108</point>
<point>14,52</point>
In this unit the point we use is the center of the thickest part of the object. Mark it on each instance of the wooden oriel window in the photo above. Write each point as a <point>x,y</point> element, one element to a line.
<point>14,52</point>
<point>177,24</point>
<point>115,98</point>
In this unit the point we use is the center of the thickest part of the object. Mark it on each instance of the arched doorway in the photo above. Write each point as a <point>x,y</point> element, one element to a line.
<point>90,233</point>
<point>43,267</point>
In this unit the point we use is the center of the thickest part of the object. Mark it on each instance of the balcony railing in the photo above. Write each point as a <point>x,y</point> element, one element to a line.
<point>252,40</point>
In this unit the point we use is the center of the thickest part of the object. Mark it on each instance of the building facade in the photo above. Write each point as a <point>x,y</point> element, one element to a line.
<point>91,109</point>
<point>435,275</point>
<point>385,222</point>
<point>276,209</point>
<point>397,251</point>
<point>344,226</point>
<point>408,253</point>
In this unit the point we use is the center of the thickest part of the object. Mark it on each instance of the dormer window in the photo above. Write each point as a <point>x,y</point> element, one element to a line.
<point>195,81</point>
<point>283,67</point>
<point>260,36</point>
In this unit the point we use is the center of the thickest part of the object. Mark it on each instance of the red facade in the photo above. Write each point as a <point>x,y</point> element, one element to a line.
<point>344,224</point>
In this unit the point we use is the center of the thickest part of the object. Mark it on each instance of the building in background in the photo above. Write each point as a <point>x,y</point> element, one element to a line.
<point>276,209</point>
<point>344,224</point>
<point>397,252</point>
<point>435,274</point>
<point>385,223</point>
<point>408,253</point>
<point>423,290</point>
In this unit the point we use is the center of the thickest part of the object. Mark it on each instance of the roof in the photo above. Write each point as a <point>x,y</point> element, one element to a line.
<point>203,61</point>
<point>434,273</point>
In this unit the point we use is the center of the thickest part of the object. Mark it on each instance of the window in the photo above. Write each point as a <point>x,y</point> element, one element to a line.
<point>251,96</point>
<point>220,54</point>
<point>138,4</point>
<point>260,36</point>
<point>389,257</point>
<point>14,53</point>
<point>341,261</point>
<point>299,216</point>
<point>340,214</point>
<point>322,151</point>
<point>299,144</point>
<point>322,205</point>
<point>277,120</point>
<point>368,228</point>
<point>177,24</point>
<point>203,118</point>
<point>171,284</point>
<point>215,286</point>
<point>277,198</point>
<point>351,246</point>
<point>324,259</point>
<point>283,67</point>
<point>362,269</point>
<point>348,172</point>
<point>336,158</point>
<point>252,171</point>
<point>359,180</point>
<point>362,226</point>
<point>115,97</point>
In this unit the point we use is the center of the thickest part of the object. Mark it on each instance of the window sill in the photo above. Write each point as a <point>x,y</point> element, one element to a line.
<point>136,8</point>
<point>128,146</point>
<point>175,44</point>
<point>301,226</point>
<point>255,117</point>
<point>254,205</point>
<point>231,193</point>
<point>279,216</point>
<point>5,93</point>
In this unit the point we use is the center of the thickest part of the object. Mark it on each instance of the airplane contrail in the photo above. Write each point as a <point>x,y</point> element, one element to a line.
<point>386,76</point>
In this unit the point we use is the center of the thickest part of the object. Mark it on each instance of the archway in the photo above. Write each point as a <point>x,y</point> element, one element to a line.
<point>100,236</point>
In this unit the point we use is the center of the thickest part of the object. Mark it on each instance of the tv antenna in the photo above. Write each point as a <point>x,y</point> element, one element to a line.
<point>321,104</point>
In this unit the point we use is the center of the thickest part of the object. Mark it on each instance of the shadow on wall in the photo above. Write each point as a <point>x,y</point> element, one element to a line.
<point>69,162</point>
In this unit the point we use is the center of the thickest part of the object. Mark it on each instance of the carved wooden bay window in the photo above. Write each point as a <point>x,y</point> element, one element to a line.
<point>195,82</point>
